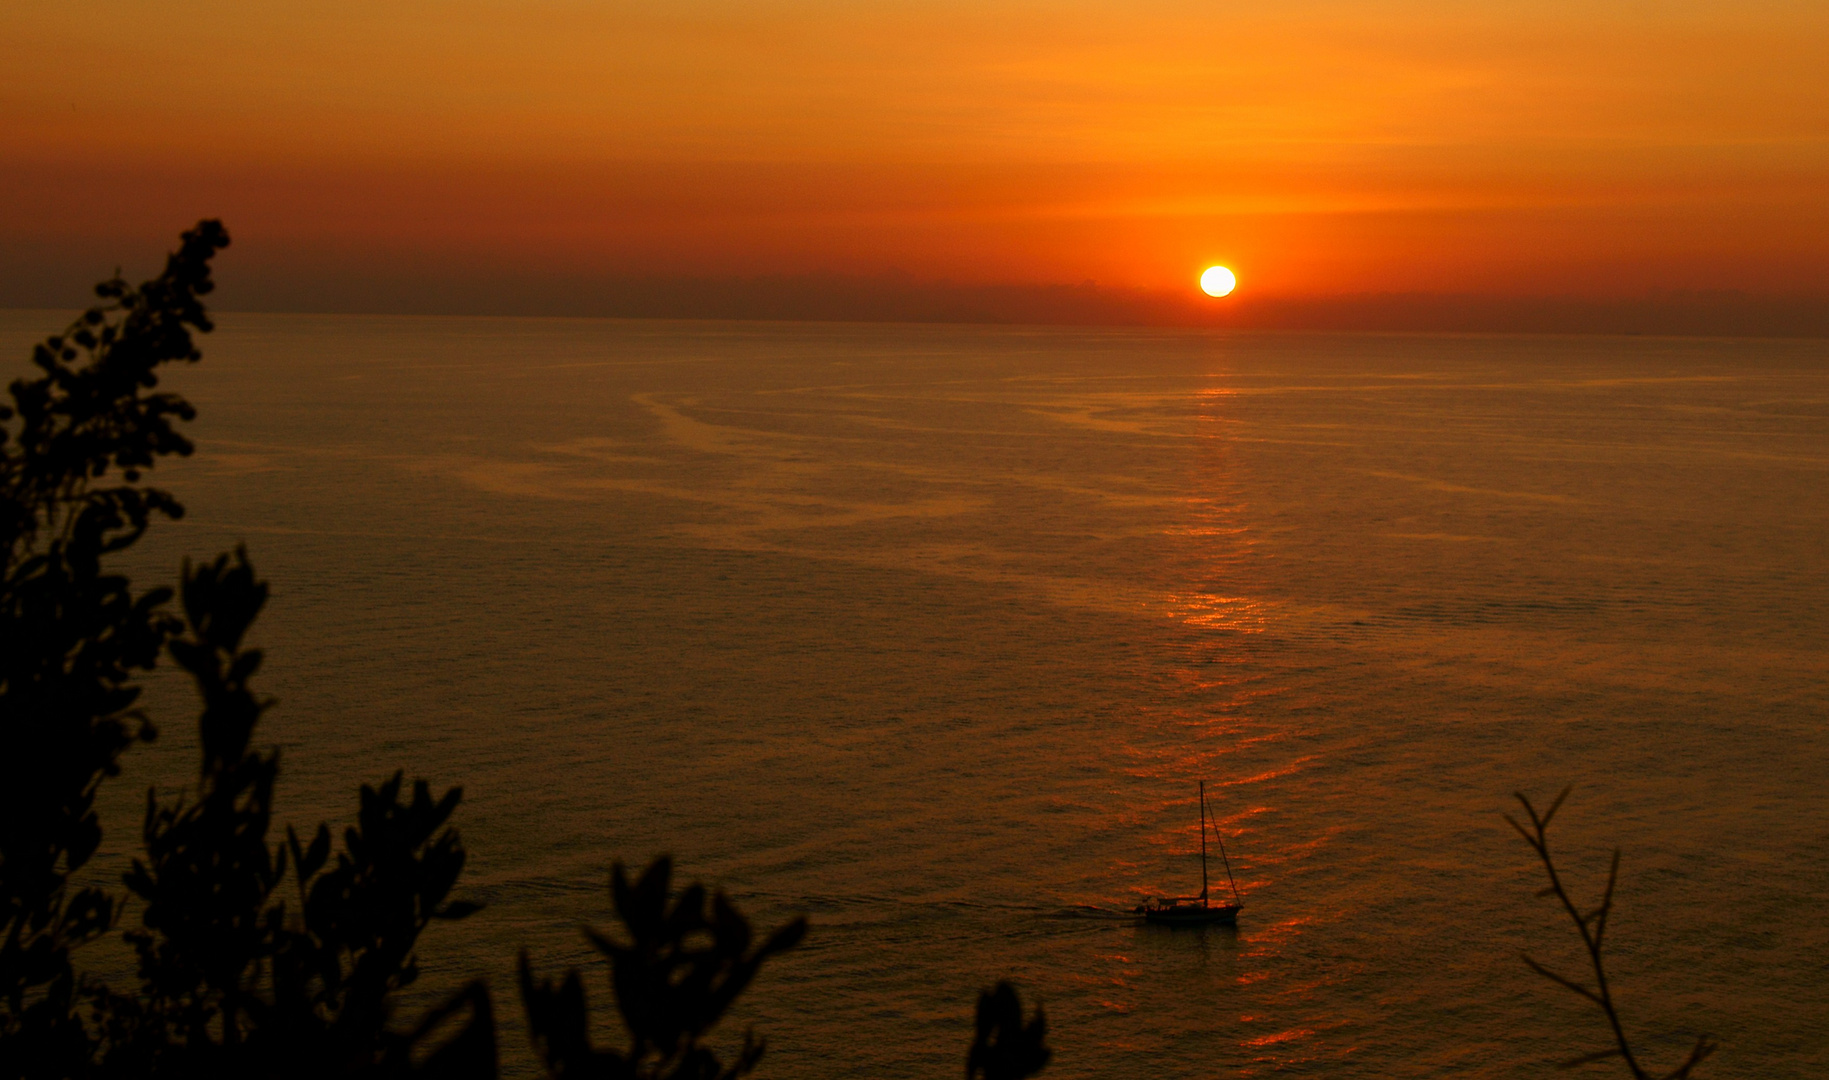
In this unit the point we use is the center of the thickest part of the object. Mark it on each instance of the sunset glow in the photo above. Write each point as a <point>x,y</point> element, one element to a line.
<point>1515,148</point>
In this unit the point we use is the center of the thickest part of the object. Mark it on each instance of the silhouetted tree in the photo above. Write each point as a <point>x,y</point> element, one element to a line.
<point>233,983</point>
<point>1004,1047</point>
<point>683,965</point>
<point>238,978</point>
<point>73,444</point>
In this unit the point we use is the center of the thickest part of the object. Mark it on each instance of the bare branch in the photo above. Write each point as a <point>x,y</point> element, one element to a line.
<point>1561,981</point>
<point>1513,822</point>
<point>1557,805</point>
<point>1592,926</point>
<point>1697,1054</point>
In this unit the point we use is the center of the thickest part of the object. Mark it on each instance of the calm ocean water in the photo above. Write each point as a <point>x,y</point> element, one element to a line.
<point>929,632</point>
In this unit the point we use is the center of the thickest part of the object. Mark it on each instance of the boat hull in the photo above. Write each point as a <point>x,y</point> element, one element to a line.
<point>1189,915</point>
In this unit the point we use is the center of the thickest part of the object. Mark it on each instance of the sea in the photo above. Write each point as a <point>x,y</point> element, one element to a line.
<point>930,634</point>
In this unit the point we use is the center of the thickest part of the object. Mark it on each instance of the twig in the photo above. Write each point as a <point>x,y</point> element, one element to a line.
<point>1593,929</point>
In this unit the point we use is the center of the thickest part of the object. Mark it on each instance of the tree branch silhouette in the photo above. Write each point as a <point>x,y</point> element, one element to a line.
<point>232,981</point>
<point>1004,1046</point>
<point>1592,926</point>
<point>240,971</point>
<point>680,966</point>
<point>74,442</point>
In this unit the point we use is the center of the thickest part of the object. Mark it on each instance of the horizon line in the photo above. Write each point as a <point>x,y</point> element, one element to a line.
<point>896,297</point>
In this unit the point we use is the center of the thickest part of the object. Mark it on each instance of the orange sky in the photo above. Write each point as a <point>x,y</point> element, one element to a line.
<point>1587,147</point>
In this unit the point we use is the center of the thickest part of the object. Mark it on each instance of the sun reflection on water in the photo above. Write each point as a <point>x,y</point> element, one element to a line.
<point>1210,611</point>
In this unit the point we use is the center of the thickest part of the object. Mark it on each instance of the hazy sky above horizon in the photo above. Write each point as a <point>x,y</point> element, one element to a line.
<point>1520,147</point>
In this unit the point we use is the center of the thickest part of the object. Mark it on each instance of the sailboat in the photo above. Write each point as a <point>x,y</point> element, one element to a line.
<point>1190,910</point>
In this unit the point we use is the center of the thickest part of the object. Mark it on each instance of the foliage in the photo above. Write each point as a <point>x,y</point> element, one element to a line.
<point>236,977</point>
<point>1005,1048</point>
<point>73,444</point>
<point>681,969</point>
<point>1592,926</point>
<point>234,984</point>
<point>231,981</point>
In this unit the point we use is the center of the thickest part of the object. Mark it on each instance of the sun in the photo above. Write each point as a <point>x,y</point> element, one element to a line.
<point>1218,281</point>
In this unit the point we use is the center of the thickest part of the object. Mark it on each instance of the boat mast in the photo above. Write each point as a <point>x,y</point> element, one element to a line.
<point>1203,843</point>
<point>1222,846</point>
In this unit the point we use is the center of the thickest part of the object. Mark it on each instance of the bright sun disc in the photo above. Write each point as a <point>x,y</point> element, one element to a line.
<point>1218,281</point>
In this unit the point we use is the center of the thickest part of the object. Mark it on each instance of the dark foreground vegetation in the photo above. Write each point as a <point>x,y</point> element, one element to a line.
<point>261,952</point>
